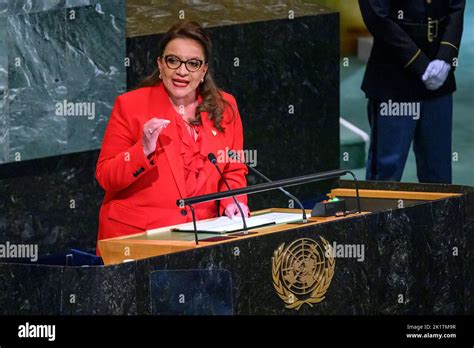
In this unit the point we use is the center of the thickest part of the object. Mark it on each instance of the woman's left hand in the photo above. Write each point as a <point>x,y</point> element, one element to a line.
<point>232,210</point>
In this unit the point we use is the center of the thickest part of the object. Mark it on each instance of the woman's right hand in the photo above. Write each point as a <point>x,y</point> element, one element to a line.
<point>151,131</point>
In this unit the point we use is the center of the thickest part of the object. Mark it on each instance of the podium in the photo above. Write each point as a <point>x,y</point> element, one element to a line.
<point>403,254</point>
<point>408,252</point>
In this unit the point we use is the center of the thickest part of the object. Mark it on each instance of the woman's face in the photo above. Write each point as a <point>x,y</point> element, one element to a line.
<point>181,83</point>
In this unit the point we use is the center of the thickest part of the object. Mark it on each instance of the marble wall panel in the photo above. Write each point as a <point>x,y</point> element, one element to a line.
<point>191,292</point>
<point>34,128</point>
<point>4,145</point>
<point>113,289</point>
<point>30,290</point>
<point>31,6</point>
<point>3,8</point>
<point>74,53</point>
<point>96,71</point>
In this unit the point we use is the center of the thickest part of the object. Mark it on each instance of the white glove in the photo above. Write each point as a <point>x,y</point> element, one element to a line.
<point>436,74</point>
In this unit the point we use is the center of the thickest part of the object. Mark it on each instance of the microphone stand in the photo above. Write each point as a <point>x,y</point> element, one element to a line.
<point>194,223</point>
<point>234,155</point>
<point>213,160</point>
<point>267,187</point>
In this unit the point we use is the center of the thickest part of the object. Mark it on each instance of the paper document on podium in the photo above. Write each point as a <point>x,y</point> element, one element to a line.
<point>224,224</point>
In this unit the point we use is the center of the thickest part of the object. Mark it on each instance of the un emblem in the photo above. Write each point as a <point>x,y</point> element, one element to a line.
<point>303,271</point>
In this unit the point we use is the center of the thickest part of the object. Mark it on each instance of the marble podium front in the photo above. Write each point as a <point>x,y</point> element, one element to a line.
<point>420,253</point>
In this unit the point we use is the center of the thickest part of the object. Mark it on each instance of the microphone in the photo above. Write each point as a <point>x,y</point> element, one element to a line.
<point>234,155</point>
<point>212,158</point>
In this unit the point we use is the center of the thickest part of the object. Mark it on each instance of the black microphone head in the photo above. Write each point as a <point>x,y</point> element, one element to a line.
<point>231,154</point>
<point>212,158</point>
<point>234,155</point>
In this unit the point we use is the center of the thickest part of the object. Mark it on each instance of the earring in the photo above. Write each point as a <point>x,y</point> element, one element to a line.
<point>159,76</point>
<point>202,80</point>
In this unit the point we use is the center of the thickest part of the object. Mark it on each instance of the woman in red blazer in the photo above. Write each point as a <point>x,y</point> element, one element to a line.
<point>155,147</point>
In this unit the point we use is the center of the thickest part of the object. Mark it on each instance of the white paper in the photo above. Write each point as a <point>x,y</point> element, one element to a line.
<point>224,224</point>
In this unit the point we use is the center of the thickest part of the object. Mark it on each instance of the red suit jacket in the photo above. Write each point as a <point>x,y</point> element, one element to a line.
<point>141,193</point>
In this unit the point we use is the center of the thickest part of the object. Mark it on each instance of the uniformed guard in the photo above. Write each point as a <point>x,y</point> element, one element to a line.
<point>409,82</point>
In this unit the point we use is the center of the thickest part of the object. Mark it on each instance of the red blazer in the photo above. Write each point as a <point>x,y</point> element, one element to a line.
<point>141,194</point>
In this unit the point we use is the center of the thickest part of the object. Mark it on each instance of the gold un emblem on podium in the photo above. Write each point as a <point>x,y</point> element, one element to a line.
<point>303,271</point>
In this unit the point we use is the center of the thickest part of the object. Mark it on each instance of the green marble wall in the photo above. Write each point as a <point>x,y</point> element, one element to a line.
<point>71,52</point>
<point>53,53</point>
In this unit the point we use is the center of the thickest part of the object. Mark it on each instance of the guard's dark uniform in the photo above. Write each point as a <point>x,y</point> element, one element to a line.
<point>408,35</point>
